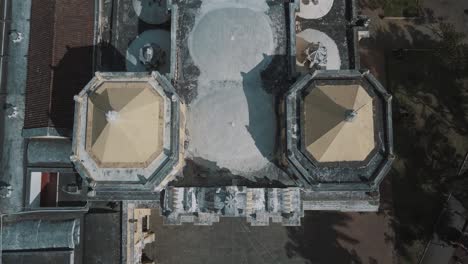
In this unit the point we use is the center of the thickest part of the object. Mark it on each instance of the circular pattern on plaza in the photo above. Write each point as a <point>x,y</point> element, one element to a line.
<point>314,9</point>
<point>228,41</point>
<point>152,11</point>
<point>154,37</point>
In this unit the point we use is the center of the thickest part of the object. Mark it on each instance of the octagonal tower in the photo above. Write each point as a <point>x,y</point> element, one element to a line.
<point>126,132</point>
<point>339,131</point>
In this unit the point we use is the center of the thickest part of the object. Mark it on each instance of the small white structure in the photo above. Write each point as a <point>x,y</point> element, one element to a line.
<point>13,112</point>
<point>313,9</point>
<point>229,40</point>
<point>161,38</point>
<point>16,36</point>
<point>5,191</point>
<point>328,56</point>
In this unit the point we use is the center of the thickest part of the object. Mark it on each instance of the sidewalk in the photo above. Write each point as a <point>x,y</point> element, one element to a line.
<point>11,163</point>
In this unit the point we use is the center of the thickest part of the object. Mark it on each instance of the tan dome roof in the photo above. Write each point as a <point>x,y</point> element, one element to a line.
<point>124,124</point>
<point>339,123</point>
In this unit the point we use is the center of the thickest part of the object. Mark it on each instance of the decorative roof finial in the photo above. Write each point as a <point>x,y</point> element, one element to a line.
<point>350,115</point>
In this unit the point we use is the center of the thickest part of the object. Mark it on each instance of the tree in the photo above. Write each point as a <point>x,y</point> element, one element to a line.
<point>451,50</point>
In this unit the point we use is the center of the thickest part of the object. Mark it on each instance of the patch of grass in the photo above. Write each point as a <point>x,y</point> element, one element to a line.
<point>401,8</point>
<point>395,8</point>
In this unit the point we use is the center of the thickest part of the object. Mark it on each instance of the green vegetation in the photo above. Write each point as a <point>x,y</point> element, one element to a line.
<point>431,135</point>
<point>396,8</point>
<point>452,51</point>
<point>401,8</point>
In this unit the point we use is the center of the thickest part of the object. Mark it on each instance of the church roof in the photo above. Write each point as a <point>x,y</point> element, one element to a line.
<point>339,130</point>
<point>125,123</point>
<point>126,132</point>
<point>339,123</point>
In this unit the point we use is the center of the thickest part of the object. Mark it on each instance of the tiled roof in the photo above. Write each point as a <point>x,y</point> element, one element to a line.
<point>59,60</point>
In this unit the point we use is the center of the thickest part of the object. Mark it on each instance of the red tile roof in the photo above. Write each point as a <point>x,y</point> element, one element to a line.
<point>59,60</point>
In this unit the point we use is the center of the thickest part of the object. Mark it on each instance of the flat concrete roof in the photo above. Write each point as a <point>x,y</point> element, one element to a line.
<point>231,123</point>
<point>39,257</point>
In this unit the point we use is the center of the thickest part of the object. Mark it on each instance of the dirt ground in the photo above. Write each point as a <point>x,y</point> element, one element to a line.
<point>324,237</point>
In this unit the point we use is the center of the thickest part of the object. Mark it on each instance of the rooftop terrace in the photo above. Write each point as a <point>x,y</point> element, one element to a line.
<point>226,52</point>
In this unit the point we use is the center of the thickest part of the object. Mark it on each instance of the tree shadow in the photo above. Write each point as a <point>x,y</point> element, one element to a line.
<point>395,8</point>
<point>317,239</point>
<point>459,185</point>
<point>429,107</point>
<point>446,231</point>
<point>427,158</point>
